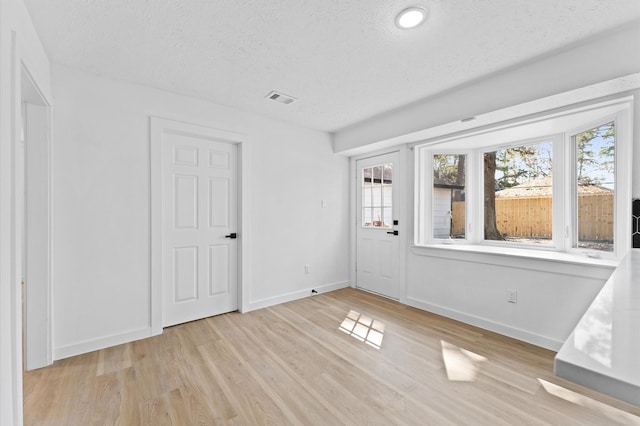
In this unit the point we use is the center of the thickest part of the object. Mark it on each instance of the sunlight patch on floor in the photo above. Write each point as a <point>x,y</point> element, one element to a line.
<point>586,402</point>
<point>363,328</point>
<point>461,365</point>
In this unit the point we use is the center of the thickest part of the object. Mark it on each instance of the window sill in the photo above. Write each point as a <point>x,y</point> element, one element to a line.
<point>521,258</point>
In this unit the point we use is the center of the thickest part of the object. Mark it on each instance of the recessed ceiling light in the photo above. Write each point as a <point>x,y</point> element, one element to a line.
<point>280,97</point>
<point>411,17</point>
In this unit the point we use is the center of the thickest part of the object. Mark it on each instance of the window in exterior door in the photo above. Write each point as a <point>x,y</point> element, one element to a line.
<point>377,191</point>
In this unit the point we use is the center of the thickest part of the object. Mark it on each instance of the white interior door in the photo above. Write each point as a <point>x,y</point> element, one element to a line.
<point>377,247</point>
<point>200,252</point>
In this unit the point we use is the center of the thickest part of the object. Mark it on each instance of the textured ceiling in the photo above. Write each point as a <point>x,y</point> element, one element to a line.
<point>343,59</point>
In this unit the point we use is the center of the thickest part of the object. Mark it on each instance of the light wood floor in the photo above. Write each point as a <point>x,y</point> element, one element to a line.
<point>292,364</point>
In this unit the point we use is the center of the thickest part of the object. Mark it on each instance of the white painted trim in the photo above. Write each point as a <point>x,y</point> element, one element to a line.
<point>353,190</point>
<point>91,345</point>
<point>244,225</point>
<point>295,295</point>
<point>404,225</point>
<point>15,293</point>
<point>496,327</point>
<point>521,259</point>
<point>156,127</point>
<point>38,338</point>
<point>155,202</point>
<point>18,43</point>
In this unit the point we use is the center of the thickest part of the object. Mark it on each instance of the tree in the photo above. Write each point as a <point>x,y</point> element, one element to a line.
<point>588,160</point>
<point>510,167</point>
<point>449,168</point>
<point>607,150</point>
<point>519,164</point>
<point>490,226</point>
<point>585,157</point>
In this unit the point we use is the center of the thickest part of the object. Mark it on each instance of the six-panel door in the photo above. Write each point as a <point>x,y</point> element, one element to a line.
<point>199,215</point>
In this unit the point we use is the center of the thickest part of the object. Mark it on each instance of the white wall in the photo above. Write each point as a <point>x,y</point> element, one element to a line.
<point>19,46</point>
<point>101,206</point>
<point>473,288</point>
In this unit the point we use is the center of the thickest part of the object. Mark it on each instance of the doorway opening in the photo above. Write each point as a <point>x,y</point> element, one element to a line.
<point>33,223</point>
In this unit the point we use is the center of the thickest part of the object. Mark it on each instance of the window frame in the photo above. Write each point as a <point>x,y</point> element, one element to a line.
<point>428,200</point>
<point>564,208</point>
<point>622,186</point>
<point>557,183</point>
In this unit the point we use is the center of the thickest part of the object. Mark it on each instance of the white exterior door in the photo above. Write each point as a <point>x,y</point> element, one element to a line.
<point>377,246</point>
<point>200,252</point>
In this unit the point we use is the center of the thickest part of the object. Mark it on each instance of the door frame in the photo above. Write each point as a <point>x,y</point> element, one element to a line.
<point>37,262</point>
<point>404,227</point>
<point>158,126</point>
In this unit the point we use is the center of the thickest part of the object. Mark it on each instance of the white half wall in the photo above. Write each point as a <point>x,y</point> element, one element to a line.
<point>101,182</point>
<point>472,288</point>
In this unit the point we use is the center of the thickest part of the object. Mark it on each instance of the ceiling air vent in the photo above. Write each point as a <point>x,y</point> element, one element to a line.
<point>280,97</point>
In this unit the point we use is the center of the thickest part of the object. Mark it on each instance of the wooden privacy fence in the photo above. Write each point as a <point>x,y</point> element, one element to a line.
<point>596,217</point>
<point>530,217</point>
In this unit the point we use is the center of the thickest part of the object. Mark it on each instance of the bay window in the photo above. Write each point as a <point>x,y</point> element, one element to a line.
<point>560,182</point>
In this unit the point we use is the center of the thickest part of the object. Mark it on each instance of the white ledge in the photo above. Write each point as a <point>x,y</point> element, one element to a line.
<point>522,258</point>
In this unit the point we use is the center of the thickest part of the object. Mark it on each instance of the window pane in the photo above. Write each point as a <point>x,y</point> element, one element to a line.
<point>595,176</point>
<point>388,173</point>
<point>458,222</point>
<point>387,217</point>
<point>367,217</point>
<point>377,175</point>
<point>387,196</point>
<point>448,196</point>
<point>366,176</point>
<point>518,190</point>
<point>377,193</point>
<point>376,197</point>
<point>377,217</point>
<point>367,200</point>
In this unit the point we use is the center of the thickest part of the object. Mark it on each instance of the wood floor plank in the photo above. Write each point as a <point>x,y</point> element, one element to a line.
<point>309,362</point>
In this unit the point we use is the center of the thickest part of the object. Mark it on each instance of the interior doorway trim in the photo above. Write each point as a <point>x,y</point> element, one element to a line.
<point>158,127</point>
<point>36,220</point>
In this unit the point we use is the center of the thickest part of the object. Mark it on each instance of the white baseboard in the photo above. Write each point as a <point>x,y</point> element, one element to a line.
<point>288,297</point>
<point>100,343</point>
<point>516,333</point>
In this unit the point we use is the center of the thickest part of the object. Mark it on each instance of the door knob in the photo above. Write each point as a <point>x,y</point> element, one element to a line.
<point>392,232</point>
<point>232,235</point>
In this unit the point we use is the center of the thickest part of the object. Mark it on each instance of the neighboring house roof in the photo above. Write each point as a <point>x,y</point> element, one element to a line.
<point>443,183</point>
<point>542,188</point>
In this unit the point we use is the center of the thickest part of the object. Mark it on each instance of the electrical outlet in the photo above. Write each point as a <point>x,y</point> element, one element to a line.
<point>307,269</point>
<point>512,296</point>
